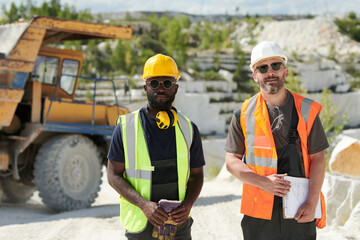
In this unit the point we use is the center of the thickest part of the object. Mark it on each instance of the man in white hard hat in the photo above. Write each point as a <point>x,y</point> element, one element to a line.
<point>155,160</point>
<point>274,134</point>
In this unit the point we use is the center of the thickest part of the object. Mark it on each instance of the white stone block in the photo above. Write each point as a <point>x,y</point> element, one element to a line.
<point>214,154</point>
<point>198,108</point>
<point>342,201</point>
<point>345,157</point>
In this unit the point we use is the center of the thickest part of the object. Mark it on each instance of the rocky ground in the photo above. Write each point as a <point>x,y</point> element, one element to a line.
<point>216,214</point>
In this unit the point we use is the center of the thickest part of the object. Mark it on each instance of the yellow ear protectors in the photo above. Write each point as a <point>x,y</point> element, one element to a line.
<point>165,119</point>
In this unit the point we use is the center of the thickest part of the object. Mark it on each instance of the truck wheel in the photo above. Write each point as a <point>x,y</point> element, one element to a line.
<point>68,172</point>
<point>15,191</point>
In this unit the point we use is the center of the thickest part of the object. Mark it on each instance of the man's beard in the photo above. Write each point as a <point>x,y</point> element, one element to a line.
<point>272,88</point>
<point>161,106</point>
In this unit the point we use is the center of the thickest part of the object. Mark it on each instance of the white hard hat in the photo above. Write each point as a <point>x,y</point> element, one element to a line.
<point>264,50</point>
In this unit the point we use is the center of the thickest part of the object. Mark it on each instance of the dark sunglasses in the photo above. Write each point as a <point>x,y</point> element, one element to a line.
<point>264,68</point>
<point>155,84</point>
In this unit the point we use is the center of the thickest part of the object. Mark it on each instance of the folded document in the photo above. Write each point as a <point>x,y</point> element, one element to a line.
<point>297,196</point>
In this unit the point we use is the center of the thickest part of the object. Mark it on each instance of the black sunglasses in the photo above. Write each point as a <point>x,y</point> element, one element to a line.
<point>155,84</point>
<point>264,68</point>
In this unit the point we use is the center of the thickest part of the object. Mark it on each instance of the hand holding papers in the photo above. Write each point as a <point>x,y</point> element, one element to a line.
<point>298,195</point>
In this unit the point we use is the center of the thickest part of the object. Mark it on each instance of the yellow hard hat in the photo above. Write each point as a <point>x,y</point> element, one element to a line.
<point>160,65</point>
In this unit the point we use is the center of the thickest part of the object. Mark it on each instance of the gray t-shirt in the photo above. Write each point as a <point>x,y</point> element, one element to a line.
<point>280,120</point>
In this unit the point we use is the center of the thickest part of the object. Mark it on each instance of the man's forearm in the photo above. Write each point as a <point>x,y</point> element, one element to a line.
<point>316,176</point>
<point>126,190</point>
<point>194,186</point>
<point>241,171</point>
<point>273,184</point>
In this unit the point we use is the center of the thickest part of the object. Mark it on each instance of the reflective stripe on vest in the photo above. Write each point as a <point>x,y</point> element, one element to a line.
<point>261,154</point>
<point>131,171</point>
<point>305,109</point>
<point>251,159</point>
<point>138,169</point>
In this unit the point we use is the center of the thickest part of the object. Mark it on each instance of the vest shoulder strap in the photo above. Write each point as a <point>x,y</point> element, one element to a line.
<point>186,128</point>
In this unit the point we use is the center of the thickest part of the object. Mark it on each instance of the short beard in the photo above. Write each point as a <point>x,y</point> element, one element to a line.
<point>161,106</point>
<point>272,89</point>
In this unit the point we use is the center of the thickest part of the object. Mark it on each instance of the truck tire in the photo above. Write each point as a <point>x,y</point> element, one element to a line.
<point>68,172</point>
<point>14,191</point>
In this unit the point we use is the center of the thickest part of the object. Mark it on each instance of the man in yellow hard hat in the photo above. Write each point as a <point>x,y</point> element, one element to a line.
<point>155,160</point>
<point>274,135</point>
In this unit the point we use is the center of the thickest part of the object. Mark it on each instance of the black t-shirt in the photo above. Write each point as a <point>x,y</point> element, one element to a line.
<point>161,142</point>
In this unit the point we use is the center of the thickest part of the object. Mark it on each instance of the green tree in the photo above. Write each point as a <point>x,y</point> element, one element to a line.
<point>145,54</point>
<point>131,58</point>
<point>128,16</point>
<point>241,75</point>
<point>350,26</point>
<point>51,8</point>
<point>332,52</point>
<point>95,61</point>
<point>217,40</point>
<point>118,61</point>
<point>12,15</point>
<point>293,83</point>
<point>74,45</point>
<point>23,11</point>
<point>205,35</point>
<point>329,117</point>
<point>69,12</point>
<point>54,8</point>
<point>147,41</point>
<point>237,49</point>
<point>84,15</point>
<point>185,22</point>
<point>175,41</point>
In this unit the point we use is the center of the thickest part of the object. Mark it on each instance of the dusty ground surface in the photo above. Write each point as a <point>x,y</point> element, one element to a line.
<point>216,214</point>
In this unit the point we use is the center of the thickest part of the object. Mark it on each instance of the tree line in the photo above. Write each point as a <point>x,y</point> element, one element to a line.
<point>53,8</point>
<point>174,36</point>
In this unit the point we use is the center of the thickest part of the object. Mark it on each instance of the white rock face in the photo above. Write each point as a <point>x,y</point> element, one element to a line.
<point>345,157</point>
<point>354,220</point>
<point>354,133</point>
<point>312,37</point>
<point>347,104</point>
<point>342,201</point>
<point>214,154</point>
<point>198,108</point>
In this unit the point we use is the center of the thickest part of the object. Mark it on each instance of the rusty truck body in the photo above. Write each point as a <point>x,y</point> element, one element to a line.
<point>48,141</point>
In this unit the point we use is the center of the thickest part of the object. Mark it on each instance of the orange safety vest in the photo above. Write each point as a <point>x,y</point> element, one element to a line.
<point>261,154</point>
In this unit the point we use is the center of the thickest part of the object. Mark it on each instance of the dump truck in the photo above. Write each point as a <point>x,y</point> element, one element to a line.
<point>49,141</point>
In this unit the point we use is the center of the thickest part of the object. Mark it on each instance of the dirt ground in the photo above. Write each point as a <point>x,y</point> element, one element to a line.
<point>216,216</point>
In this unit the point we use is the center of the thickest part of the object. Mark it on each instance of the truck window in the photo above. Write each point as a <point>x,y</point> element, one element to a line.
<point>69,67</point>
<point>46,70</point>
<point>11,79</point>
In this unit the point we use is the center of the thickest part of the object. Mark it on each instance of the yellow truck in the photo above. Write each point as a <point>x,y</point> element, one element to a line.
<point>48,141</point>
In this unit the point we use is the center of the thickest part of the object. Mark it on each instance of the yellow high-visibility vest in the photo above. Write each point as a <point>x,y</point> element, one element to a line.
<point>138,169</point>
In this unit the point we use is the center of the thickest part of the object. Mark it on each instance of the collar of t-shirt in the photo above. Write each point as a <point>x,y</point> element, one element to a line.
<point>277,114</point>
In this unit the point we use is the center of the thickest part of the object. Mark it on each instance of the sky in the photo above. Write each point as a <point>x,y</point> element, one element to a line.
<point>205,7</point>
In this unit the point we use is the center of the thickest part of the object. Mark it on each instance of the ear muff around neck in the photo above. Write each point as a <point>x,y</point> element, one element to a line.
<point>165,119</point>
